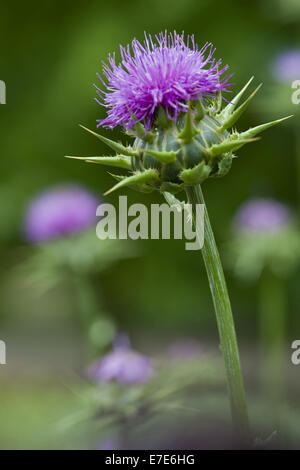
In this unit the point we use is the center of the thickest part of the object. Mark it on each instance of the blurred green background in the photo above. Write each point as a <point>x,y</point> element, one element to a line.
<point>50,54</point>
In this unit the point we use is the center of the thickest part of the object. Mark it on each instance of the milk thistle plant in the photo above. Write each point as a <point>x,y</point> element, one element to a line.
<point>166,93</point>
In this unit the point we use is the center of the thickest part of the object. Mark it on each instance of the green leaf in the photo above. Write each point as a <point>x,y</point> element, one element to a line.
<point>200,111</point>
<point>189,130</point>
<point>256,130</point>
<point>196,175</point>
<point>119,148</point>
<point>232,119</point>
<point>146,177</point>
<point>228,146</point>
<point>228,110</point>
<point>224,165</point>
<point>172,188</point>
<point>162,156</point>
<point>120,161</point>
<point>139,129</point>
<point>162,119</point>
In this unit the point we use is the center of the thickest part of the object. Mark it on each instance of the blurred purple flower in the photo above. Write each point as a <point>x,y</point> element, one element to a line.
<point>123,365</point>
<point>62,210</point>
<point>262,215</point>
<point>286,66</point>
<point>166,71</point>
<point>109,444</point>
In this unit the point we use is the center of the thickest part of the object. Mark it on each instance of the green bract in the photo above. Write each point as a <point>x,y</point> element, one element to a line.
<point>177,154</point>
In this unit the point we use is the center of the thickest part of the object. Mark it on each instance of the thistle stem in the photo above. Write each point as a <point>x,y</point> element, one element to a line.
<point>225,322</point>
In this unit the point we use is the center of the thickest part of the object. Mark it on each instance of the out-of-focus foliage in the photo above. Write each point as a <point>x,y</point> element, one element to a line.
<point>249,254</point>
<point>113,403</point>
<point>76,255</point>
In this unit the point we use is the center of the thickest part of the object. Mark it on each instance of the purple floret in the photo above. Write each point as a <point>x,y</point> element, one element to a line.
<point>123,365</point>
<point>62,210</point>
<point>262,215</point>
<point>166,71</point>
<point>286,66</point>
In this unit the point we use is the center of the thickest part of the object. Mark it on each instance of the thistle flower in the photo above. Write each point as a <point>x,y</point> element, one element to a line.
<point>262,215</point>
<point>123,365</point>
<point>167,94</point>
<point>59,211</point>
<point>286,66</point>
<point>167,71</point>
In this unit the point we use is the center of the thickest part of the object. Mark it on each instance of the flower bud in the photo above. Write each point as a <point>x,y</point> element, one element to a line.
<point>163,95</point>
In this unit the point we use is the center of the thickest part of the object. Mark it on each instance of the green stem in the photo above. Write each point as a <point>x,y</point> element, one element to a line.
<point>272,308</point>
<point>224,317</point>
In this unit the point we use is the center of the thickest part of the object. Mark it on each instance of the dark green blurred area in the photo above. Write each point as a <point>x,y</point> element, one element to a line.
<point>50,54</point>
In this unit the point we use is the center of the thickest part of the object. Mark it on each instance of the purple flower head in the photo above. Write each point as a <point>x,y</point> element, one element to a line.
<point>166,71</point>
<point>62,210</point>
<point>286,66</point>
<point>262,215</point>
<point>123,365</point>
